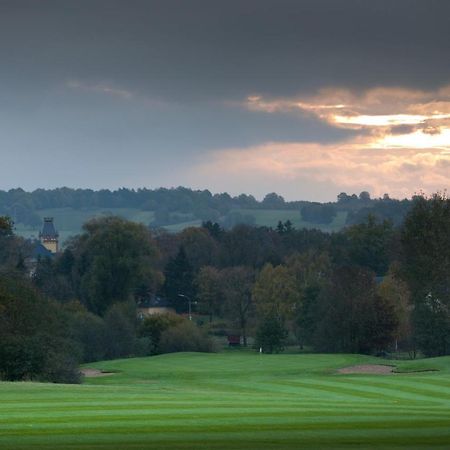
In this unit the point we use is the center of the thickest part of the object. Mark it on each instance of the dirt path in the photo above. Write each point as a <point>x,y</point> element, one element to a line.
<point>376,369</point>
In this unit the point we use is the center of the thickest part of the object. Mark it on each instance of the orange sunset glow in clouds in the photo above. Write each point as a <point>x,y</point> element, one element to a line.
<point>400,142</point>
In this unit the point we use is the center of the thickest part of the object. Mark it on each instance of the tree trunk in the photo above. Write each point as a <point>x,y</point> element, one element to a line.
<point>244,333</point>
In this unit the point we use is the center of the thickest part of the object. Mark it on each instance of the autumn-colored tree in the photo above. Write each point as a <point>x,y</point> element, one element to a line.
<point>396,293</point>
<point>210,293</point>
<point>6,226</point>
<point>309,268</point>
<point>275,293</point>
<point>276,299</point>
<point>237,289</point>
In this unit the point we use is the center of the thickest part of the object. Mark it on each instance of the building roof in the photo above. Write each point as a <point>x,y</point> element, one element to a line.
<point>39,251</point>
<point>154,302</point>
<point>48,230</point>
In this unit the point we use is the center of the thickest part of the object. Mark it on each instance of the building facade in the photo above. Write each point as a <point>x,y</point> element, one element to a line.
<point>49,237</point>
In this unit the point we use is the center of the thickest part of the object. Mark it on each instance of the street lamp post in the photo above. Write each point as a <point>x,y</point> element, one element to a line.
<point>189,304</point>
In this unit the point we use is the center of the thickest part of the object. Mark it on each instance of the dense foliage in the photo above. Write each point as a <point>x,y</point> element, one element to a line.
<point>370,288</point>
<point>180,205</point>
<point>426,262</point>
<point>35,339</point>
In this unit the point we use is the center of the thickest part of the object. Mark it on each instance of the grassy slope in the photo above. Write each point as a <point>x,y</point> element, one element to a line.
<point>69,220</point>
<point>270,218</point>
<point>233,401</point>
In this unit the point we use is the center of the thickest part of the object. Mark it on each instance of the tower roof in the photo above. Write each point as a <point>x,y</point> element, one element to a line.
<point>48,230</point>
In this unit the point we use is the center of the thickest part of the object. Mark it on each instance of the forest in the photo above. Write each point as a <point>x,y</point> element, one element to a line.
<point>182,205</point>
<point>375,287</point>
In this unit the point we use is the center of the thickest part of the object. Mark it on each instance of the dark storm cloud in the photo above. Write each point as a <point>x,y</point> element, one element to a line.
<point>136,92</point>
<point>194,49</point>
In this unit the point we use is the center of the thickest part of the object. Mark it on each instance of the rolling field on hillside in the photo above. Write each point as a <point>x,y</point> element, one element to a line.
<point>69,221</point>
<point>270,218</point>
<point>233,401</point>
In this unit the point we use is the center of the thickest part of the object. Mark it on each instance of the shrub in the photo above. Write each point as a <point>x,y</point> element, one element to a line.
<point>61,363</point>
<point>35,342</point>
<point>120,330</point>
<point>186,337</point>
<point>152,327</point>
<point>88,330</point>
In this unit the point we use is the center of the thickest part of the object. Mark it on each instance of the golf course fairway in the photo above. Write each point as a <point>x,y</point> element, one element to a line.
<point>234,400</point>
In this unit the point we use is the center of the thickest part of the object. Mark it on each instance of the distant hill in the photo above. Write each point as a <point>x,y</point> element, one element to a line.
<point>178,208</point>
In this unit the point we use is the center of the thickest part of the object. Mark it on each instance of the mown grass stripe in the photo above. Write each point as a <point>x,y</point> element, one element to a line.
<point>229,402</point>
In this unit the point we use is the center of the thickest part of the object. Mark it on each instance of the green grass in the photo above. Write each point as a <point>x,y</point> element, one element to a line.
<point>69,221</point>
<point>176,227</point>
<point>271,217</point>
<point>233,400</point>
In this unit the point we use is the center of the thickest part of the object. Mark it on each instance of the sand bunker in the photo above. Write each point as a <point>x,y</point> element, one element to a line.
<point>376,369</point>
<point>91,373</point>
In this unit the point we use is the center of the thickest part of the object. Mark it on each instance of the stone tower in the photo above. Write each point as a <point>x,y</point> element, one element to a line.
<point>49,237</point>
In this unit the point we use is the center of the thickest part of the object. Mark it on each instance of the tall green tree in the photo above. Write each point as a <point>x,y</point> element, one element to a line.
<point>271,335</point>
<point>369,244</point>
<point>249,246</point>
<point>113,257</point>
<point>426,265</point>
<point>13,249</point>
<point>200,247</point>
<point>353,317</point>
<point>35,341</point>
<point>51,282</point>
<point>120,328</point>
<point>311,271</point>
<point>179,286</point>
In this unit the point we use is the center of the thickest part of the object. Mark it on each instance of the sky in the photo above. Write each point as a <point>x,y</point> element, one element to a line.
<point>307,98</point>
